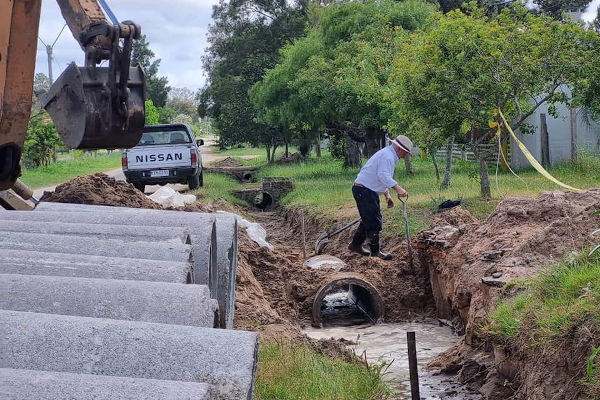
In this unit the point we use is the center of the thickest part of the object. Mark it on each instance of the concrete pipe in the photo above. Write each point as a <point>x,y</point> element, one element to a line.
<point>219,274</point>
<point>86,266</point>
<point>166,303</point>
<point>263,200</point>
<point>24,384</point>
<point>359,293</point>
<point>221,357</point>
<point>201,227</point>
<point>124,232</point>
<point>74,244</point>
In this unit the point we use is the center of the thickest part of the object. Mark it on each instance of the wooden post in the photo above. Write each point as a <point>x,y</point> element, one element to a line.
<point>573,135</point>
<point>545,142</point>
<point>412,366</point>
<point>303,232</point>
<point>504,159</point>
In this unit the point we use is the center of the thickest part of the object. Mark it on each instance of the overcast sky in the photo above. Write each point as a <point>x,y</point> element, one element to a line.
<point>176,31</point>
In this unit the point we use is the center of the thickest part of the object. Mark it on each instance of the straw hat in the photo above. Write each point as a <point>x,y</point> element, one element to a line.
<point>403,142</point>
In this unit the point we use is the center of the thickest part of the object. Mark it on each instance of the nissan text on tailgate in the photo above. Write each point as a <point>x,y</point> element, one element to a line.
<point>165,154</point>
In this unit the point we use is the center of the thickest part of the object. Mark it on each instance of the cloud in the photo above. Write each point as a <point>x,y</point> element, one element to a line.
<point>176,31</point>
<point>591,11</point>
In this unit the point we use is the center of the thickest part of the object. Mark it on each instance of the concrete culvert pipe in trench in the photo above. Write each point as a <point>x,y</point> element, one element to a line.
<point>347,299</point>
<point>263,200</point>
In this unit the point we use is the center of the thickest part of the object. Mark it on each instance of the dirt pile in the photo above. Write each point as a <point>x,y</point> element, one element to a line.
<point>99,189</point>
<point>226,163</point>
<point>517,239</point>
<point>470,262</point>
<point>261,304</point>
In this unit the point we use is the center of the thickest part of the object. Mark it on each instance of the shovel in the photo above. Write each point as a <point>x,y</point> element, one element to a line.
<point>405,215</point>
<point>323,239</point>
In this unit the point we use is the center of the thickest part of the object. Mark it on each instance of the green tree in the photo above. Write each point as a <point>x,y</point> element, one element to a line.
<point>157,88</point>
<point>454,74</point>
<point>166,115</point>
<point>335,79</point>
<point>184,102</point>
<point>40,140</point>
<point>244,41</point>
<point>152,115</point>
<point>41,83</point>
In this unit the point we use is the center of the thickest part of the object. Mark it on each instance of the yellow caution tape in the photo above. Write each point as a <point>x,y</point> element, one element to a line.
<point>528,155</point>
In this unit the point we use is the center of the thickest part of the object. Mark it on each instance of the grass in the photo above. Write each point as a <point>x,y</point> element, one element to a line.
<point>294,372</point>
<point>219,186</point>
<point>259,152</point>
<point>559,299</point>
<point>64,170</point>
<point>549,310</point>
<point>325,187</point>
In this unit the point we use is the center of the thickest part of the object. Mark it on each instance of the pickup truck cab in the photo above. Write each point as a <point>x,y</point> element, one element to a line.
<point>165,154</point>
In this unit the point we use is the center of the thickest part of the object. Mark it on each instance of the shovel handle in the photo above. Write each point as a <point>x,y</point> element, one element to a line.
<point>403,200</point>
<point>343,228</point>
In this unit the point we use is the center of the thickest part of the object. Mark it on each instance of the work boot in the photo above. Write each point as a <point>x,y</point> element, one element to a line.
<point>357,240</point>
<point>357,248</point>
<point>375,251</point>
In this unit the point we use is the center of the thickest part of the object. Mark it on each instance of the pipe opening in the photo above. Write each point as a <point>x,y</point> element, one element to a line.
<point>247,177</point>
<point>263,200</point>
<point>347,301</point>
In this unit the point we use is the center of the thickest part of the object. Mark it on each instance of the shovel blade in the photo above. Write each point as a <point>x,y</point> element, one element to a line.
<point>81,105</point>
<point>321,243</point>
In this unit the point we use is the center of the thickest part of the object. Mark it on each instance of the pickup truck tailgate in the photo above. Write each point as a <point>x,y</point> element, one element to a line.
<point>159,157</point>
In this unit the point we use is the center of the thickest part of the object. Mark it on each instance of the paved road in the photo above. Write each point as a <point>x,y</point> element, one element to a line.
<point>208,156</point>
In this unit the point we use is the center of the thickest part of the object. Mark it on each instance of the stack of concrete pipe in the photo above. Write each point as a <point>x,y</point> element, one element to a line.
<point>118,303</point>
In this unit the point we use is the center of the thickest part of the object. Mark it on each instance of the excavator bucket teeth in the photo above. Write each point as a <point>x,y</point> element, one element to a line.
<point>81,105</point>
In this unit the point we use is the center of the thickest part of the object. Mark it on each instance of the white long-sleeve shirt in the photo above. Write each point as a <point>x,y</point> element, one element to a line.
<point>378,173</point>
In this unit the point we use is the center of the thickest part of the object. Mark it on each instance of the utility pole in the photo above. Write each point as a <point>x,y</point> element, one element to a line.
<point>50,59</point>
<point>50,53</point>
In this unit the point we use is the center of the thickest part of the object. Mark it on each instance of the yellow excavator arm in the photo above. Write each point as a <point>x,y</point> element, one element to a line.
<point>92,107</point>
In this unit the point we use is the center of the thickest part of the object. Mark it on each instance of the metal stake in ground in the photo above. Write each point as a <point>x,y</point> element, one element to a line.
<point>406,227</point>
<point>303,233</point>
<point>412,366</point>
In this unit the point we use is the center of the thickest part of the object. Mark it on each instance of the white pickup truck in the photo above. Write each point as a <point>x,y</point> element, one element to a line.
<point>165,154</point>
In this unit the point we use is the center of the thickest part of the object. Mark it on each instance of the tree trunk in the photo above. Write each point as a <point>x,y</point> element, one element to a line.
<point>408,164</point>
<point>486,192</point>
<point>432,151</point>
<point>372,140</point>
<point>448,171</point>
<point>273,154</point>
<point>268,147</point>
<point>352,153</point>
<point>287,152</point>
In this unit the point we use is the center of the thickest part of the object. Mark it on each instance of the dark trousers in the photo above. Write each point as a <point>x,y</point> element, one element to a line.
<point>369,209</point>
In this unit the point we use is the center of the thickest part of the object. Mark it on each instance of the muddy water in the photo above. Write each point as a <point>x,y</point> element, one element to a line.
<point>387,342</point>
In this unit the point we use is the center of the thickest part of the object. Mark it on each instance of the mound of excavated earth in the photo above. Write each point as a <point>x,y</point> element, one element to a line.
<point>99,189</point>
<point>226,163</point>
<point>469,263</point>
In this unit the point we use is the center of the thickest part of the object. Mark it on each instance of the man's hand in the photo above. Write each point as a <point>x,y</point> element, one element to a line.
<point>401,192</point>
<point>388,199</point>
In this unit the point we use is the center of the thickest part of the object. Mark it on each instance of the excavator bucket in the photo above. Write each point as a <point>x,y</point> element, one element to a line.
<point>90,114</point>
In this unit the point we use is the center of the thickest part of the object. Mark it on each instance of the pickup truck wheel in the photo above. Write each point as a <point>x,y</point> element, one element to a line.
<point>201,179</point>
<point>194,181</point>
<point>141,186</point>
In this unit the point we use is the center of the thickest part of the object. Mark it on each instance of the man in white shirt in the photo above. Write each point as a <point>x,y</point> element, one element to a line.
<point>374,179</point>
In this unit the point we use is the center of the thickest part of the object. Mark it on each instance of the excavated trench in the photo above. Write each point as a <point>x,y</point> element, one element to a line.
<point>343,296</point>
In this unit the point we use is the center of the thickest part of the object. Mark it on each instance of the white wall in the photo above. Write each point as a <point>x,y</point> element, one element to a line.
<point>559,137</point>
